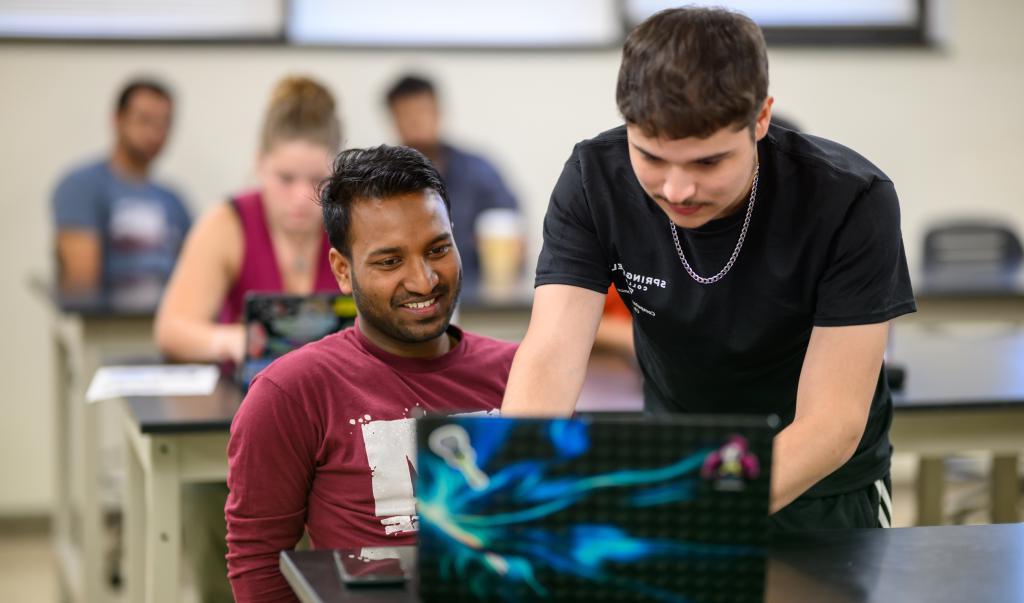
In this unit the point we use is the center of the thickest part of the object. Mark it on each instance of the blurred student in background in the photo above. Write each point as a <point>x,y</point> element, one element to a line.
<point>118,232</point>
<point>270,239</point>
<point>474,185</point>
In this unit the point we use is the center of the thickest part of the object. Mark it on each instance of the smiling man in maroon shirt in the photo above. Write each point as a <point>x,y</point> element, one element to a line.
<point>324,438</point>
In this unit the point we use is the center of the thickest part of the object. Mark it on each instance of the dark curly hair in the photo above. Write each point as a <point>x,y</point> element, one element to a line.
<point>373,173</point>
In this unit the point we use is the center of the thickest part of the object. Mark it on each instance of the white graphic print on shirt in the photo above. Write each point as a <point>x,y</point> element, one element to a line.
<point>392,458</point>
<point>391,453</point>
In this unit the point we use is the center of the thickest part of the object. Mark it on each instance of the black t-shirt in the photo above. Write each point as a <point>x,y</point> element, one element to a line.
<point>823,249</point>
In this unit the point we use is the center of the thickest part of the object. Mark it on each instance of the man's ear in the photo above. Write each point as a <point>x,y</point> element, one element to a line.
<point>764,117</point>
<point>341,266</point>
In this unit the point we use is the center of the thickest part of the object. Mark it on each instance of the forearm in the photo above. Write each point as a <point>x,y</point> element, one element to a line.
<point>806,451</point>
<point>839,375</point>
<point>75,281</point>
<point>199,341</point>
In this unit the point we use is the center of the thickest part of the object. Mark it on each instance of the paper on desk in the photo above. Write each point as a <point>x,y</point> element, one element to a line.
<point>152,380</point>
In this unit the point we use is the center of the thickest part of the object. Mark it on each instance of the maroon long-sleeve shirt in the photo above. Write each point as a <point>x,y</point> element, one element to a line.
<point>324,441</point>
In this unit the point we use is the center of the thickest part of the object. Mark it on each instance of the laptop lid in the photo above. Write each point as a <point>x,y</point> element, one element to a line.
<point>277,323</point>
<point>655,508</point>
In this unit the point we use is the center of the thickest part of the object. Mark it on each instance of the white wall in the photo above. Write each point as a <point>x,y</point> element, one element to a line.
<point>944,123</point>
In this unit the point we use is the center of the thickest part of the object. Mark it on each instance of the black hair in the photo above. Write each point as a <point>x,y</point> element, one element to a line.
<point>409,85</point>
<point>373,173</point>
<point>138,85</point>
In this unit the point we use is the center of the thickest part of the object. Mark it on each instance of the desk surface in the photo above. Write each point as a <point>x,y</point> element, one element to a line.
<point>187,414</point>
<point>980,564</point>
<point>972,366</point>
<point>951,365</point>
<point>969,283</point>
<point>97,305</point>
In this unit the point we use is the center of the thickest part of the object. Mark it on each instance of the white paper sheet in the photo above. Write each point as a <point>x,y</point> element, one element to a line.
<point>152,380</point>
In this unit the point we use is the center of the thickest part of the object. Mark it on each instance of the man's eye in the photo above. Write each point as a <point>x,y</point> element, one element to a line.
<point>440,250</point>
<point>709,162</point>
<point>389,262</point>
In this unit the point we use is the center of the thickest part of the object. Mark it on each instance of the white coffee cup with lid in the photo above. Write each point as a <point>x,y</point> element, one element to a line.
<point>499,245</point>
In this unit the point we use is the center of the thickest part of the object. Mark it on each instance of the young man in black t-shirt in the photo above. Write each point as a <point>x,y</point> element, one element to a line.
<point>762,267</point>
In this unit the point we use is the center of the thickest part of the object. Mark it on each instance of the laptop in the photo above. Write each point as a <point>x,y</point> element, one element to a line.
<point>277,323</point>
<point>645,508</point>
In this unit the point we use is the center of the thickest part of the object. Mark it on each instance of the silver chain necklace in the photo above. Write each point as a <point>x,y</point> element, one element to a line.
<point>706,280</point>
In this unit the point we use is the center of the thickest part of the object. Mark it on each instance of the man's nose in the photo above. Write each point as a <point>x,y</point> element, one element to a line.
<point>421,278</point>
<point>678,186</point>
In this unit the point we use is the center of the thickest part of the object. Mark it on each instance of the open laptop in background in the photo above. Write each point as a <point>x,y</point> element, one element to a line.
<point>277,323</point>
<point>655,508</point>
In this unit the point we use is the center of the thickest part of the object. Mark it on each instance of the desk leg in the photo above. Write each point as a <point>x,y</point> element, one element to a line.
<point>1005,483</point>
<point>63,506</point>
<point>134,522</point>
<point>93,537</point>
<point>163,525</point>
<point>931,482</point>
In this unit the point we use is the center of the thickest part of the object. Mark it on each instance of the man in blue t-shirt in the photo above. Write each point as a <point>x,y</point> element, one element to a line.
<point>474,185</point>
<point>119,233</point>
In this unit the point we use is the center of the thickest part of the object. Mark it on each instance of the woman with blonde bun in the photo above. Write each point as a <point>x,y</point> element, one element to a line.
<point>270,239</point>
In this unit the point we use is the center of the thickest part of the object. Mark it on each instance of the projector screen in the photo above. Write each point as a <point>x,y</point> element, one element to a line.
<point>455,23</point>
<point>814,21</point>
<point>142,19</point>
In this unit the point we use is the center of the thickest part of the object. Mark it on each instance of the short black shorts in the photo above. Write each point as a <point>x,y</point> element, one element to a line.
<point>869,507</point>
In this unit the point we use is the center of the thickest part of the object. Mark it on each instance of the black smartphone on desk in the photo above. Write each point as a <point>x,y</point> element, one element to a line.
<point>358,570</point>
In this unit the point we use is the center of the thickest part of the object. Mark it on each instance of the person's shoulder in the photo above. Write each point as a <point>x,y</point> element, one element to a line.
<point>821,154</point>
<point>220,221</point>
<point>88,173</point>
<point>607,150</point>
<point>333,355</point>
<point>469,161</point>
<point>292,385</point>
<point>168,191</point>
<point>80,195</point>
<point>613,139</point>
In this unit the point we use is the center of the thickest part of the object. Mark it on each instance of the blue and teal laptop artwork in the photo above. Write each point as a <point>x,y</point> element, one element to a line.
<point>277,323</point>
<point>667,508</point>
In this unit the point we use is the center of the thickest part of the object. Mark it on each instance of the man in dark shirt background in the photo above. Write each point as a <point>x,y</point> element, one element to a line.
<point>474,184</point>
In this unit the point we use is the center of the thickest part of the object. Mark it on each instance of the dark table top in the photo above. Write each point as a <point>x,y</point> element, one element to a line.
<point>187,414</point>
<point>969,283</point>
<point>958,365</point>
<point>979,564</point>
<point>974,366</point>
<point>122,305</point>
